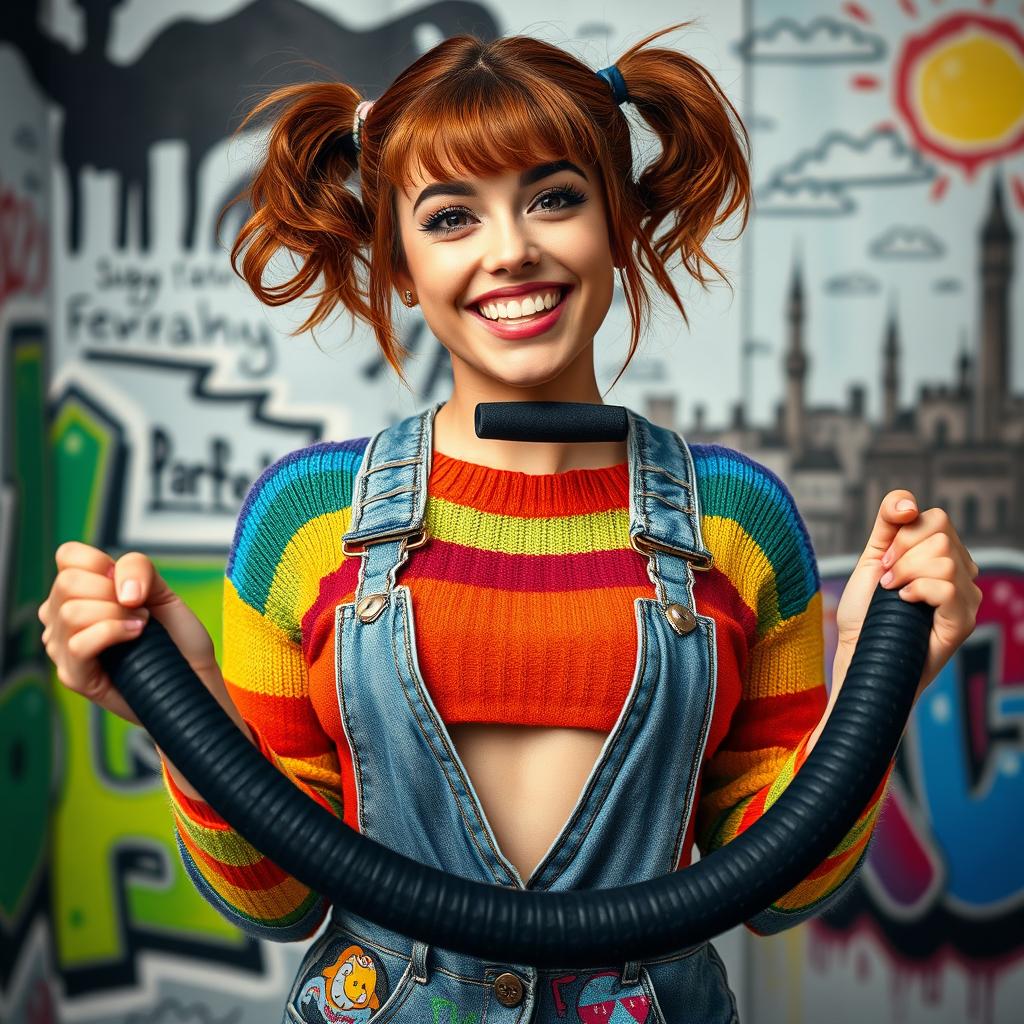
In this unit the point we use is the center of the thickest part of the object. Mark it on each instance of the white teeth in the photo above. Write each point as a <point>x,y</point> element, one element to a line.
<point>515,309</point>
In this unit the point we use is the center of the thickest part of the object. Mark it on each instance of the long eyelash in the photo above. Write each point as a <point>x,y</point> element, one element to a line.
<point>572,196</point>
<point>433,223</point>
<point>568,191</point>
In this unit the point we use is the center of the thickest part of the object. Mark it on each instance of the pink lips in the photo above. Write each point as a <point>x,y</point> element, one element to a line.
<point>527,329</point>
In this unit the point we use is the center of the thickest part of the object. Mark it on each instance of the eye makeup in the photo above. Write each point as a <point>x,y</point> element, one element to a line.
<point>435,224</point>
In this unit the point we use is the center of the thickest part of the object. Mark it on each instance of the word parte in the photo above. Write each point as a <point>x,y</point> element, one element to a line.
<point>211,486</point>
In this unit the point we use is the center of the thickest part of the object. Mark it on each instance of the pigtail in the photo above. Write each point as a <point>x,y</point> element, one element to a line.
<point>701,177</point>
<point>300,201</point>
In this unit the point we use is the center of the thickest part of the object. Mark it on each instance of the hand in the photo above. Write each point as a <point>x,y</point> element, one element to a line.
<point>926,559</point>
<point>83,616</point>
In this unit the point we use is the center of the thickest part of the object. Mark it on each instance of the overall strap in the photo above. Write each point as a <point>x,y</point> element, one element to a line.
<point>663,480</point>
<point>664,509</point>
<point>389,501</point>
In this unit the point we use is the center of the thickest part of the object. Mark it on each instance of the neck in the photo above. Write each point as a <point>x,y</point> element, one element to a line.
<point>455,435</point>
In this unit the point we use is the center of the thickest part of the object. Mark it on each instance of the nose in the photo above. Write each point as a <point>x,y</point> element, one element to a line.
<point>509,246</point>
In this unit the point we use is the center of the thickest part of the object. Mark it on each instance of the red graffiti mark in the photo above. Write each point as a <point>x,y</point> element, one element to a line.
<point>24,253</point>
<point>556,992</point>
<point>864,82</point>
<point>939,188</point>
<point>40,1006</point>
<point>1018,185</point>
<point>858,13</point>
<point>829,954</point>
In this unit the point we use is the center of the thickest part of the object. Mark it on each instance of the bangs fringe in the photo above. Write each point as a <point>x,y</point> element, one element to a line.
<point>484,126</point>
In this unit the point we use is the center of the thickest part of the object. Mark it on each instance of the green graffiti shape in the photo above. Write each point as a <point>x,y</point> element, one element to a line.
<point>26,755</point>
<point>452,1016</point>
<point>107,808</point>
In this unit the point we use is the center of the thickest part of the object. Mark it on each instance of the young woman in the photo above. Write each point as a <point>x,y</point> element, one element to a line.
<point>538,665</point>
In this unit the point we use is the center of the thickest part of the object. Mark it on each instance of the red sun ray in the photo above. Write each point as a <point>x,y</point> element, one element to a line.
<point>885,126</point>
<point>939,187</point>
<point>908,8</point>
<point>865,82</point>
<point>858,12</point>
<point>1018,190</point>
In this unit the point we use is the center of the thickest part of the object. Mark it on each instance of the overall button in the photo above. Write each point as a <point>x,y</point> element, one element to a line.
<point>370,607</point>
<point>680,618</point>
<point>509,989</point>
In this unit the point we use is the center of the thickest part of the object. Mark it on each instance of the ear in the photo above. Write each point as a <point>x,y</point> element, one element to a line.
<point>403,280</point>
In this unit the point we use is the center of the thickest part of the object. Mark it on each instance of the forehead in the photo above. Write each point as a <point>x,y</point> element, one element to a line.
<point>421,185</point>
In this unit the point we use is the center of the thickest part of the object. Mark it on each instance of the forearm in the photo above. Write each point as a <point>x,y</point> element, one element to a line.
<point>840,666</point>
<point>214,682</point>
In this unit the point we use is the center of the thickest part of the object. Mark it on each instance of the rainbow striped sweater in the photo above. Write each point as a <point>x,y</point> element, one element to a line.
<point>534,553</point>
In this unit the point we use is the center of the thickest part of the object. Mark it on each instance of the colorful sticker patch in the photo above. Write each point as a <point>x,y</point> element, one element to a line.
<point>349,986</point>
<point>604,1000</point>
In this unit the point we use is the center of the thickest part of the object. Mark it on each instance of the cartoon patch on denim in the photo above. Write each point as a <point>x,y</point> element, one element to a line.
<point>348,989</point>
<point>605,1000</point>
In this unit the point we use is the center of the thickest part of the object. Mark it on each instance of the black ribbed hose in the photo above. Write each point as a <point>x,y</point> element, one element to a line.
<point>585,928</point>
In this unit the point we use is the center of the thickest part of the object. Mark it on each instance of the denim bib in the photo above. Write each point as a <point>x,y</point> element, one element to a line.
<point>415,796</point>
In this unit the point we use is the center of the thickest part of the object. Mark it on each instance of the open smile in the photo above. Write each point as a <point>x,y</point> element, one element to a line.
<point>506,317</point>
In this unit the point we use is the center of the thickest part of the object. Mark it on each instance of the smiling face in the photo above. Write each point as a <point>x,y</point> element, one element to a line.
<point>514,275</point>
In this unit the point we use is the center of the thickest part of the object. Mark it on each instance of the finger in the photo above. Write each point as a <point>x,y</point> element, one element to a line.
<point>919,563</point>
<point>940,594</point>
<point>87,644</point>
<point>929,523</point>
<point>73,554</point>
<point>930,543</point>
<point>78,613</point>
<point>72,583</point>
<point>888,522</point>
<point>84,675</point>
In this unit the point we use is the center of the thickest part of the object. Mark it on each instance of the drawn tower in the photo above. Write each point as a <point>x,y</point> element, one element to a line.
<point>992,379</point>
<point>795,424</point>
<point>891,372</point>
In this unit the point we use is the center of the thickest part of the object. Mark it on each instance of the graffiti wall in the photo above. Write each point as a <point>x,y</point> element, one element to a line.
<point>884,290</point>
<point>873,341</point>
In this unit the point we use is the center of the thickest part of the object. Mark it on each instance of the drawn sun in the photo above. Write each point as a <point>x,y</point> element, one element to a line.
<point>959,88</point>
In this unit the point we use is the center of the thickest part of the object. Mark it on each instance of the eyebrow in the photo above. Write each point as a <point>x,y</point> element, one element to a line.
<point>528,177</point>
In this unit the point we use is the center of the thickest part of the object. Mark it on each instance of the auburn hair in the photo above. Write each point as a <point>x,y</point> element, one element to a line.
<point>435,116</point>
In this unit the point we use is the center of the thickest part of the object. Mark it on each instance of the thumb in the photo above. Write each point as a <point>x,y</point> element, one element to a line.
<point>897,509</point>
<point>152,595</point>
<point>138,584</point>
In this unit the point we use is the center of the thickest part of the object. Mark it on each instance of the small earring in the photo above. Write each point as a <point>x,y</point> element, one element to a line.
<point>407,298</point>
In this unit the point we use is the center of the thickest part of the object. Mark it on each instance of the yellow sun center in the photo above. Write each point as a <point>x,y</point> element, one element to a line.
<point>971,90</point>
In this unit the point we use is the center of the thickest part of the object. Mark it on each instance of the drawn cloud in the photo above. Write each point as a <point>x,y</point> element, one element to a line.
<point>803,199</point>
<point>822,41</point>
<point>851,285</point>
<point>880,157</point>
<point>899,243</point>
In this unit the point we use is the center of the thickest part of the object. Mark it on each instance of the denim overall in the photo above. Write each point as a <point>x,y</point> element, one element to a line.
<point>415,796</point>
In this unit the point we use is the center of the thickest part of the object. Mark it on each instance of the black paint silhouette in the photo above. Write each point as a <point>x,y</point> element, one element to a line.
<point>194,82</point>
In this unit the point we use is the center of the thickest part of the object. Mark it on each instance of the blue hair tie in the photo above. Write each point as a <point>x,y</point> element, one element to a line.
<point>613,76</point>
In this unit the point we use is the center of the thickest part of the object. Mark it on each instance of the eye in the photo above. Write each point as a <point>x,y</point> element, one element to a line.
<point>563,195</point>
<point>441,222</point>
<point>449,219</point>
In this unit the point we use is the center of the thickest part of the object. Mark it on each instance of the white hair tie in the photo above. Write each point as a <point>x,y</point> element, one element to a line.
<point>362,109</point>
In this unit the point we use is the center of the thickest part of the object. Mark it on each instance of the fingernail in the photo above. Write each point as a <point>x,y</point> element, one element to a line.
<point>905,505</point>
<point>130,590</point>
<point>133,625</point>
<point>887,558</point>
<point>887,579</point>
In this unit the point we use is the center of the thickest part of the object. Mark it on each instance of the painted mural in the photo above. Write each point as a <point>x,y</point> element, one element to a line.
<point>874,340</point>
